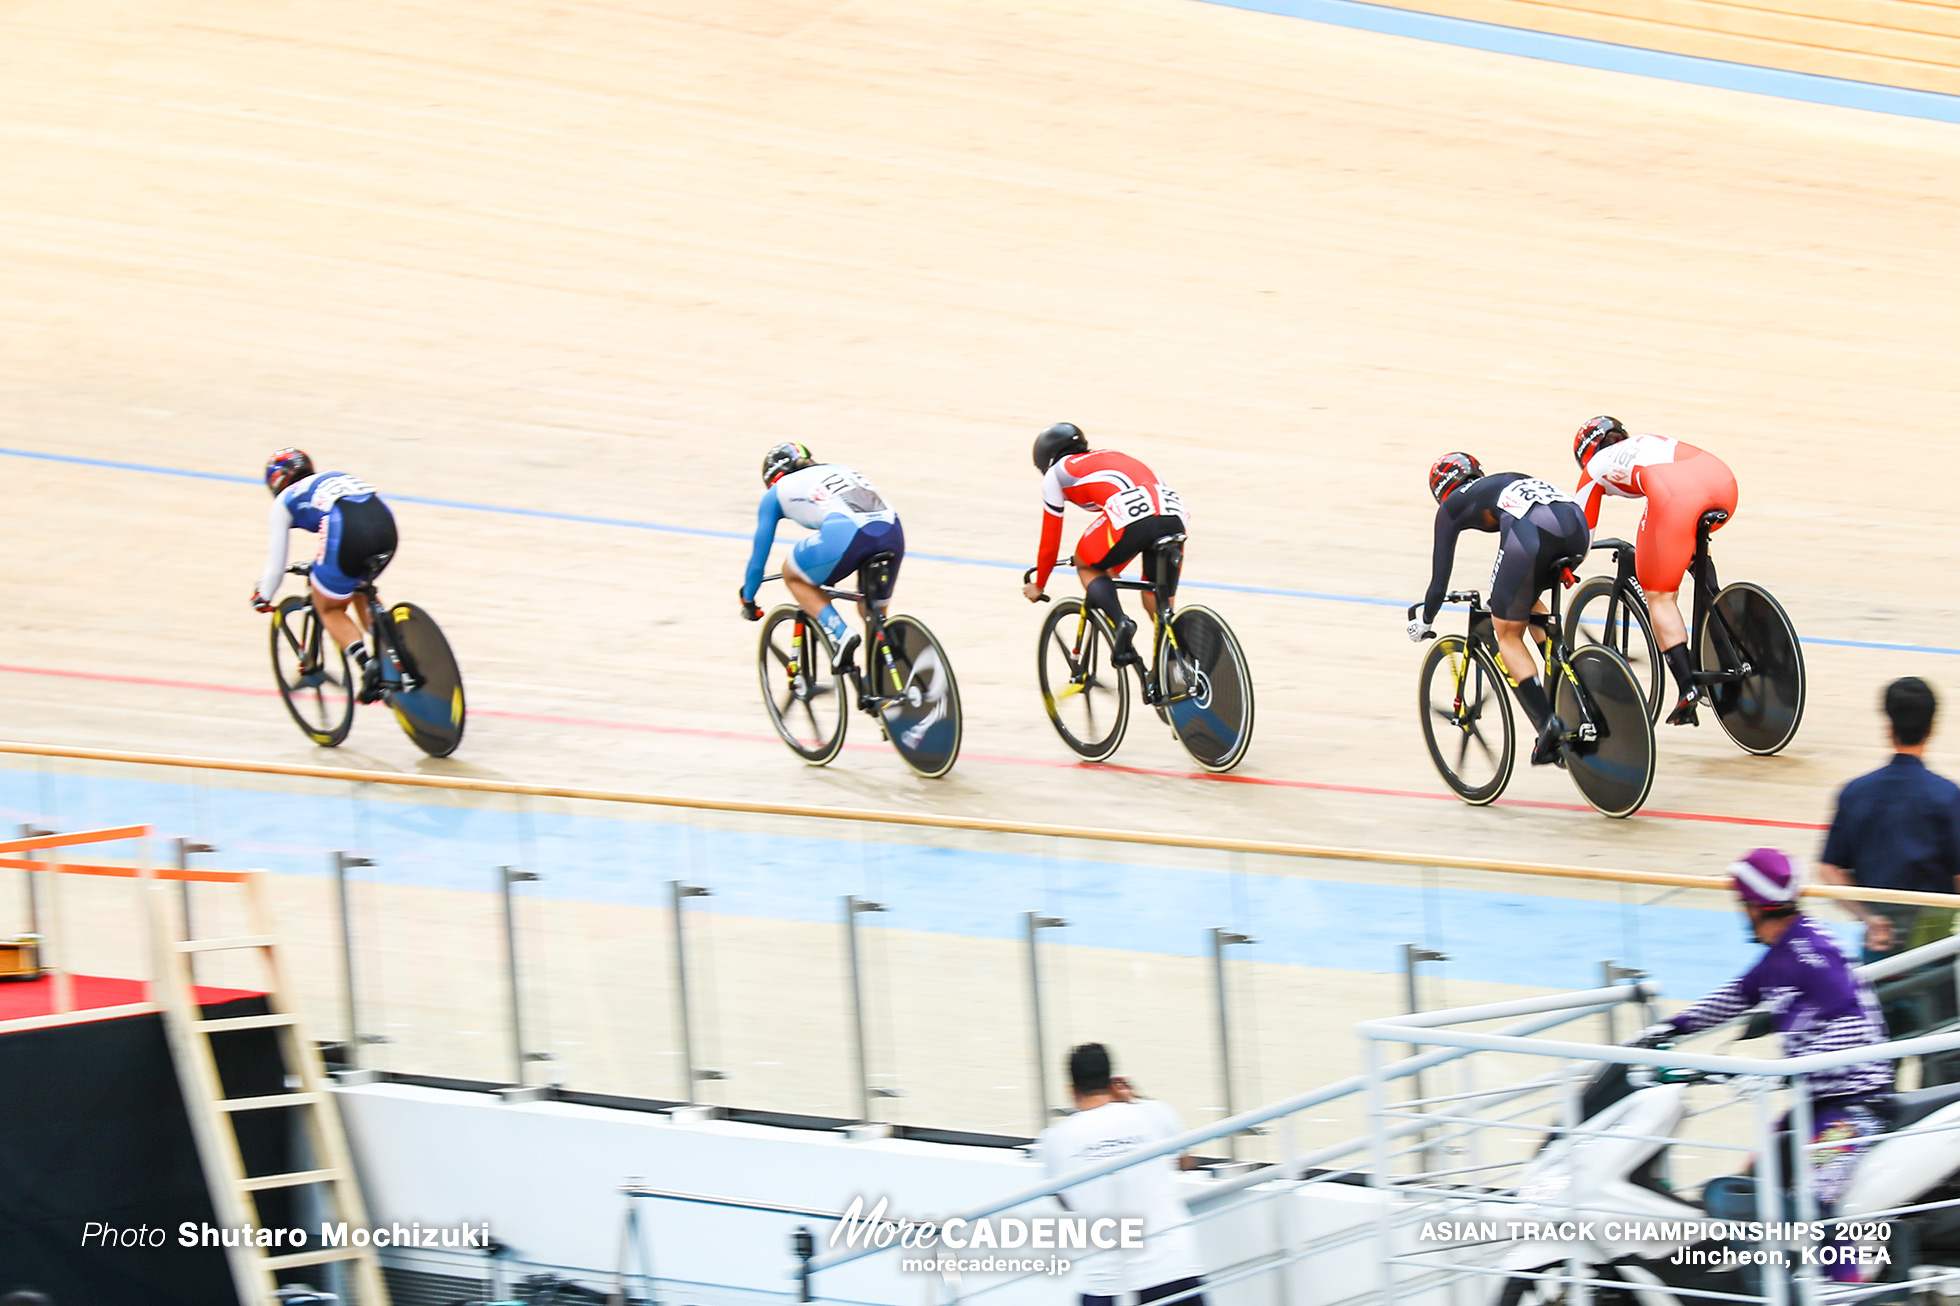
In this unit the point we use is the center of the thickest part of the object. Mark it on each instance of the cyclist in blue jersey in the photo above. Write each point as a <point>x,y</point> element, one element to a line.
<point>356,541</point>
<point>851,521</point>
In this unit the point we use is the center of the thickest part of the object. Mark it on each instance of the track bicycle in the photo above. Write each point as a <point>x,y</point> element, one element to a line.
<point>1741,643</point>
<point>1197,679</point>
<point>420,681</point>
<point>906,684</point>
<point>1608,744</point>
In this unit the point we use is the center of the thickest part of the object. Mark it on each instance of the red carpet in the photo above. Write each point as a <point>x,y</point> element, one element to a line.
<point>36,997</point>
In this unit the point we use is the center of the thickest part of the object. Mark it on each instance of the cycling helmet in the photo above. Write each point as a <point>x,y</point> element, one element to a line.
<point>1767,879</point>
<point>784,459</point>
<point>1596,435</point>
<point>1057,443</point>
<point>1450,471</point>
<point>285,467</point>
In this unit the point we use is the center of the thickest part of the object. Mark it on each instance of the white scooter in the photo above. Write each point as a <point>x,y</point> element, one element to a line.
<point>1616,1173</point>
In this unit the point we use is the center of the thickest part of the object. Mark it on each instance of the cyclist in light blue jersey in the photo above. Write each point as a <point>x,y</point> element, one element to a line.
<point>357,539</point>
<point>851,521</point>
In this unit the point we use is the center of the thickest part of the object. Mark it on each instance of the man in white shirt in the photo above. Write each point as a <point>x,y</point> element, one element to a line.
<point>1110,1120</point>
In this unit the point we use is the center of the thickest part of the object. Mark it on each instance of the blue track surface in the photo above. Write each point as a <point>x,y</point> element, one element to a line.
<point>1615,58</point>
<point>627,523</point>
<point>1138,905</point>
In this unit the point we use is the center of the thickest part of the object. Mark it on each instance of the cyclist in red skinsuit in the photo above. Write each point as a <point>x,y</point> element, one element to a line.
<point>1680,483</point>
<point>1133,509</point>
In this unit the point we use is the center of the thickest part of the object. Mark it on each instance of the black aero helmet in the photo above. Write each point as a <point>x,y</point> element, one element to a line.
<point>1450,471</point>
<point>784,459</point>
<point>1596,435</point>
<point>1057,443</point>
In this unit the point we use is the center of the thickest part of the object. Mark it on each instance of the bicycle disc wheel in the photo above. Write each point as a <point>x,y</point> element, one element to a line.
<point>799,686</point>
<point>1632,636</point>
<point>1615,768</point>
<point>318,693</point>
<point>1466,720</point>
<point>429,706</point>
<point>923,718</point>
<point>1761,712</point>
<point>1207,688</point>
<point>1087,698</point>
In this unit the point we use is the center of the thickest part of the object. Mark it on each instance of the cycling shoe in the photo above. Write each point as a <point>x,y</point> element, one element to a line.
<point>1546,750</point>
<point>1684,713</point>
<point>1123,653</point>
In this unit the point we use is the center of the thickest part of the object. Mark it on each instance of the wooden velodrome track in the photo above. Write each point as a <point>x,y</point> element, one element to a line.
<point>591,259</point>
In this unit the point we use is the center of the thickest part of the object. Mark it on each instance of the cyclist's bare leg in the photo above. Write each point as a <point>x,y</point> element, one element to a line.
<point>1533,694</point>
<point>817,606</point>
<point>1669,628</point>
<point>348,628</point>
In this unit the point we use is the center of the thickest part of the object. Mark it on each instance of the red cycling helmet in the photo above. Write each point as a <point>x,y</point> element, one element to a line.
<point>1450,471</point>
<point>285,467</point>
<point>1596,435</point>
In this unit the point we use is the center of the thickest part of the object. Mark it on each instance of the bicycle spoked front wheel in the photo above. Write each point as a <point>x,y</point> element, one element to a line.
<point>1761,712</point>
<point>1086,697</point>
<point>1631,635</point>
<point>1207,688</point>
<point>921,707</point>
<point>429,706</point>
<point>1466,719</point>
<point>800,687</point>
<point>1609,744</point>
<point>314,676</point>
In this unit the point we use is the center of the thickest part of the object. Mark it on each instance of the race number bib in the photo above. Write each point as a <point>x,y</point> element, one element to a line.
<point>1134,504</point>
<point>1520,497</point>
<point>855,493</point>
<point>1131,505</point>
<point>335,488</point>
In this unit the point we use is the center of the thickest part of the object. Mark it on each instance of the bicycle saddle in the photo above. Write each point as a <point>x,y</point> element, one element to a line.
<point>1712,518</point>
<point>377,564</point>
<point>1911,1108</point>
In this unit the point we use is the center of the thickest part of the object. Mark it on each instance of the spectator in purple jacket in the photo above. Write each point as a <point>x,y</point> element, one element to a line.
<point>1820,1004</point>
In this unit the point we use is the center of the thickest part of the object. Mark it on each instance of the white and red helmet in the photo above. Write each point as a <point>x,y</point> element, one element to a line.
<point>1766,878</point>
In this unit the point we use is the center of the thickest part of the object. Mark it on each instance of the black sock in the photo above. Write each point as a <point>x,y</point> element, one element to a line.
<point>358,651</point>
<point>1531,697</point>
<point>1677,662</point>
<point>1102,597</point>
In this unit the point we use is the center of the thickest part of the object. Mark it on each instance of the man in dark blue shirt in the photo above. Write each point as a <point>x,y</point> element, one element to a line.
<point>1898,828</point>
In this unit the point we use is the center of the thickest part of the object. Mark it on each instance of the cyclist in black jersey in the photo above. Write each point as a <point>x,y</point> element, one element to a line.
<point>1536,524</point>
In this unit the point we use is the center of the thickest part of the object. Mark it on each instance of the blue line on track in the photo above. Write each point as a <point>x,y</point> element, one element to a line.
<point>628,523</point>
<point>1614,58</point>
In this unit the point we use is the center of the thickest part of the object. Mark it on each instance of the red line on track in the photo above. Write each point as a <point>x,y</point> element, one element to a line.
<point>749,737</point>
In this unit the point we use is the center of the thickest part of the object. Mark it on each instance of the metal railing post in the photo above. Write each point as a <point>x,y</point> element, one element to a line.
<point>691,1072</point>
<point>342,863</point>
<point>1412,956</point>
<point>518,1056</point>
<point>852,906</point>
<point>1803,1195</point>
<point>1222,939</point>
<point>1035,923</point>
<point>185,848</point>
<point>31,831</point>
<point>1769,1188</point>
<point>1612,974</point>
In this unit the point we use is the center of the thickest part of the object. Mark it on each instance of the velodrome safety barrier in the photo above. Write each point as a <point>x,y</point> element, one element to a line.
<point>903,967</point>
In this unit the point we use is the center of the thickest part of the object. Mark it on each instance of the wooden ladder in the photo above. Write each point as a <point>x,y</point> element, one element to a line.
<point>254,1269</point>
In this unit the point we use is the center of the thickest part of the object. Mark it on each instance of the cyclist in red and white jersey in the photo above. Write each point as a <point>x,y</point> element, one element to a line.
<point>1679,482</point>
<point>1133,510</point>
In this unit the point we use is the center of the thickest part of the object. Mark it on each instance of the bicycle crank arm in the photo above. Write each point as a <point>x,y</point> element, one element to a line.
<point>1725,677</point>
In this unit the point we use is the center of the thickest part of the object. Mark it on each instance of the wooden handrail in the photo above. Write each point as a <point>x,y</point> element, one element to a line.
<point>70,840</point>
<point>992,825</point>
<point>126,872</point>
